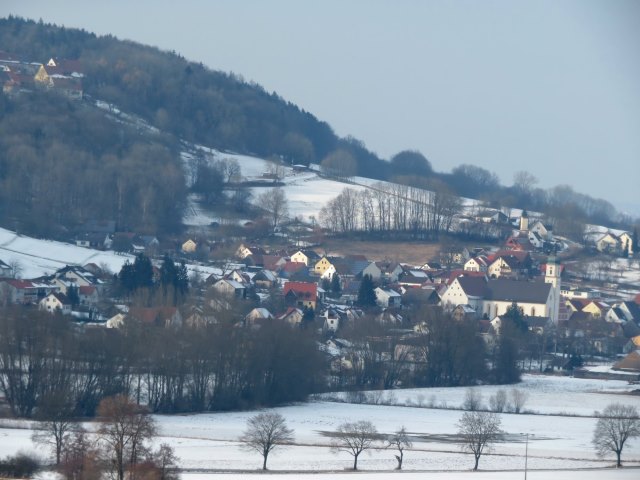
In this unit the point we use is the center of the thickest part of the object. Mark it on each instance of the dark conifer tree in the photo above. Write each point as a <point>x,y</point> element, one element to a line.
<point>366,293</point>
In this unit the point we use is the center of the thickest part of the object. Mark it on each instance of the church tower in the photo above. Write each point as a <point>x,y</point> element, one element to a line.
<point>552,276</point>
<point>524,221</point>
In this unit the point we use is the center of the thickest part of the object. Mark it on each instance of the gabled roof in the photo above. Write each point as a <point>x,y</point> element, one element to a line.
<point>634,310</point>
<point>61,297</point>
<point>301,289</point>
<point>506,290</point>
<point>473,286</point>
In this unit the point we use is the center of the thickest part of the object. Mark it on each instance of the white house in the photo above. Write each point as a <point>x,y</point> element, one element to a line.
<point>56,302</point>
<point>476,264</point>
<point>385,297</point>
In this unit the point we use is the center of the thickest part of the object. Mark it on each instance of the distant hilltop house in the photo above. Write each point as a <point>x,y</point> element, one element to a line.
<point>62,75</point>
<point>18,74</point>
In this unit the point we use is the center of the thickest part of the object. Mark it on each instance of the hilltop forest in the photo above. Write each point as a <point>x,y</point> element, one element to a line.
<point>63,162</point>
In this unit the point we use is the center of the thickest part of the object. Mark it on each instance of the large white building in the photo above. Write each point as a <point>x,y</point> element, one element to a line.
<point>491,297</point>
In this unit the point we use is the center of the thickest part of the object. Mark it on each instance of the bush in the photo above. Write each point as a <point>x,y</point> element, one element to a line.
<point>22,465</point>
<point>498,402</point>
<point>472,400</point>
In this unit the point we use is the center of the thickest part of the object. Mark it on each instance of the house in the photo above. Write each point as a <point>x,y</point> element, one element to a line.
<point>477,264</point>
<point>463,312</point>
<point>420,296</point>
<point>389,270</point>
<point>544,231</point>
<point>117,321</point>
<point>322,265</point>
<point>189,246</point>
<point>265,279</point>
<point>372,270</point>
<point>230,288</point>
<point>158,316</point>
<point>608,243</point>
<point>431,266</point>
<point>93,240</point>
<point>288,269</point>
<point>56,302</point>
<point>413,277</point>
<point>257,315</point>
<point>244,251</point>
<point>596,309</point>
<point>308,257</point>
<point>507,265</point>
<point>301,294</point>
<point>626,242</point>
<point>88,295</point>
<point>385,297</point>
<point>293,316</point>
<point>331,320</point>
<point>25,292</point>
<point>63,75</point>
<point>492,216</point>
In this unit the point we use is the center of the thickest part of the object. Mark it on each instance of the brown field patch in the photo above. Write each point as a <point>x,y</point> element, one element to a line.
<point>415,253</point>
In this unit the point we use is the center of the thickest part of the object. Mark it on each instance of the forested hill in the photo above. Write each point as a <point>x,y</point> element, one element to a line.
<point>186,98</point>
<point>133,175</point>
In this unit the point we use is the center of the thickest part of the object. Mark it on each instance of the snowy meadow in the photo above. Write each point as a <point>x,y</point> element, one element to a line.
<point>558,419</point>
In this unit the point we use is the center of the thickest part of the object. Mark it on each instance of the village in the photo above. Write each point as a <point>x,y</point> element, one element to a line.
<point>329,294</point>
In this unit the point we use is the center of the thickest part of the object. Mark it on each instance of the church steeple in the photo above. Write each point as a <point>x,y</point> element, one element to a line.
<point>524,221</point>
<point>552,276</point>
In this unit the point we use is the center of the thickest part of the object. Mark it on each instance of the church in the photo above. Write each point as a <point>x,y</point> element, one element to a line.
<point>491,297</point>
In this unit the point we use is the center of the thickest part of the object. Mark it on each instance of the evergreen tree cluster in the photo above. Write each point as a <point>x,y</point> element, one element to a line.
<point>173,280</point>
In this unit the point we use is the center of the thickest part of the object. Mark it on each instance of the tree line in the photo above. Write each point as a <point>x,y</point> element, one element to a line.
<point>218,367</point>
<point>388,208</point>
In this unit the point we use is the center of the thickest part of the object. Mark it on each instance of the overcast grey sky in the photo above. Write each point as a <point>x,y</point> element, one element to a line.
<point>551,87</point>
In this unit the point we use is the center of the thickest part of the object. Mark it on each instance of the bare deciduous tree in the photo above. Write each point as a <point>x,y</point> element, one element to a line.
<point>354,438</point>
<point>498,401</point>
<point>55,412</point>
<point>124,429</point>
<point>472,400</point>
<point>478,431</point>
<point>400,441</point>
<point>617,423</point>
<point>274,201</point>
<point>166,461</point>
<point>518,399</point>
<point>265,432</point>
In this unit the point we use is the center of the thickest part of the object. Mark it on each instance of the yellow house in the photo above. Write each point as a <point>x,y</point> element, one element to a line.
<point>322,266</point>
<point>596,309</point>
<point>189,246</point>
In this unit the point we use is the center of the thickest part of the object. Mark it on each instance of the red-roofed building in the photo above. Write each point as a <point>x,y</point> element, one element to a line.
<point>88,295</point>
<point>301,294</point>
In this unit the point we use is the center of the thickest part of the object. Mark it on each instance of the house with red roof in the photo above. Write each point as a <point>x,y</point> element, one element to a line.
<point>301,294</point>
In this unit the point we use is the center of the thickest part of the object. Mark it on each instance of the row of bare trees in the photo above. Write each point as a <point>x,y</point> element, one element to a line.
<point>425,210</point>
<point>218,367</point>
<point>477,432</point>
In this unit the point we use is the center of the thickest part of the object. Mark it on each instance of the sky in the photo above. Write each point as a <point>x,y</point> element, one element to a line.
<point>550,87</point>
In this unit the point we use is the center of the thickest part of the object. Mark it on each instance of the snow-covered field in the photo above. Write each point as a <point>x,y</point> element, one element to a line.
<point>40,257</point>
<point>559,444</point>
